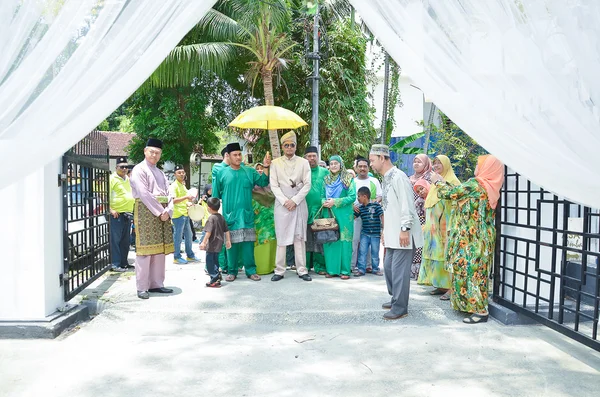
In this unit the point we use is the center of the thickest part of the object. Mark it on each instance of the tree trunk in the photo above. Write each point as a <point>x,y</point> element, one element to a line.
<point>267,78</point>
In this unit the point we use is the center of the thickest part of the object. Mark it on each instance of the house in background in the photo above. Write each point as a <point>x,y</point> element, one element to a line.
<point>117,142</point>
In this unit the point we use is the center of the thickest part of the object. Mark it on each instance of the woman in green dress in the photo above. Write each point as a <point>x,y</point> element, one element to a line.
<point>339,194</point>
<point>433,269</point>
<point>265,246</point>
<point>472,235</point>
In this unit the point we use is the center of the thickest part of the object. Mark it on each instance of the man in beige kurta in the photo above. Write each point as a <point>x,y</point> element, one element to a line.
<point>290,183</point>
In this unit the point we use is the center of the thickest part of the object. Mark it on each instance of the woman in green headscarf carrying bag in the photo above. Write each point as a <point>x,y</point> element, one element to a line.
<point>338,195</point>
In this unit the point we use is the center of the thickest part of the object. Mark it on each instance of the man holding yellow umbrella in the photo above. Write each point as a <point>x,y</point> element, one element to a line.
<point>273,118</point>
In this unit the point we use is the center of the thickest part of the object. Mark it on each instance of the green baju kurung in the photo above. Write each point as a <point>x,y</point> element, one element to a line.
<point>264,223</point>
<point>470,244</point>
<point>338,255</point>
<point>433,262</point>
<point>234,187</point>
<point>313,201</point>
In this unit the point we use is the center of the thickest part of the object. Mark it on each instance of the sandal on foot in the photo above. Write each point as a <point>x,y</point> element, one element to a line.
<point>254,277</point>
<point>446,296</point>
<point>216,284</point>
<point>327,275</point>
<point>378,273</point>
<point>321,273</point>
<point>230,277</point>
<point>476,318</point>
<point>437,291</point>
<point>344,277</point>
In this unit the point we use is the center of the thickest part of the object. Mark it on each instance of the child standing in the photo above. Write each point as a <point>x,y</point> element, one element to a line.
<point>215,232</point>
<point>370,235</point>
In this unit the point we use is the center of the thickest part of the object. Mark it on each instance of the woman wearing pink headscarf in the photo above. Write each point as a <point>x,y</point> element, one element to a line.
<point>422,166</point>
<point>472,235</point>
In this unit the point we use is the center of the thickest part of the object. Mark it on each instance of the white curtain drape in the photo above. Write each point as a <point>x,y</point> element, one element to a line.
<point>67,64</point>
<point>522,77</point>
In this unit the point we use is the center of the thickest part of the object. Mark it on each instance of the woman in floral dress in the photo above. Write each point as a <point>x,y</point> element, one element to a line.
<point>472,235</point>
<point>433,264</point>
<point>422,167</point>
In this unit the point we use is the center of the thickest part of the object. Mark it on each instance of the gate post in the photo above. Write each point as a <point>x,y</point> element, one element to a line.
<point>31,256</point>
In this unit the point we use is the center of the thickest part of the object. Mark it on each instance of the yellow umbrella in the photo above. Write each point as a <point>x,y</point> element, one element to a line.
<point>268,118</point>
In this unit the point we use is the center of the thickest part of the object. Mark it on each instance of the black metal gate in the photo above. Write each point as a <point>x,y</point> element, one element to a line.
<point>547,259</point>
<point>85,184</point>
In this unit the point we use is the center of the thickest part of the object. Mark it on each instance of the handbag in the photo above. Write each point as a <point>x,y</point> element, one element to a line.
<point>325,230</point>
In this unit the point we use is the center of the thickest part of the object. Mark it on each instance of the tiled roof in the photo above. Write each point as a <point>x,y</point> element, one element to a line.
<point>117,141</point>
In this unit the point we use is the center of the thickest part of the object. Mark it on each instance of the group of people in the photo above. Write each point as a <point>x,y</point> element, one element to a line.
<point>458,228</point>
<point>431,227</point>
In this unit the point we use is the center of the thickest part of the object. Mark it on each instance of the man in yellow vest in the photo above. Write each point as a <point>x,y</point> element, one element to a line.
<point>181,201</point>
<point>121,211</point>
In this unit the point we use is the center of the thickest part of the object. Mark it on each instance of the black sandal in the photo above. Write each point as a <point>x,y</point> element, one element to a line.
<point>476,318</point>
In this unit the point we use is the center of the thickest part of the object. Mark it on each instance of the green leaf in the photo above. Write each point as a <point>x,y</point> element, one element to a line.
<point>407,141</point>
<point>411,150</point>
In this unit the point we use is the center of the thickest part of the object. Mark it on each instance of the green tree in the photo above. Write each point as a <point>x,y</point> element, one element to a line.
<point>182,118</point>
<point>250,29</point>
<point>345,114</point>
<point>449,139</point>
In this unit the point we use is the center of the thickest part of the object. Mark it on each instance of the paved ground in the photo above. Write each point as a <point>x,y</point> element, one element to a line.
<point>291,338</point>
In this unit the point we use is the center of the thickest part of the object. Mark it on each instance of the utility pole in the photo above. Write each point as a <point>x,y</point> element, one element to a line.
<point>386,83</point>
<point>315,56</point>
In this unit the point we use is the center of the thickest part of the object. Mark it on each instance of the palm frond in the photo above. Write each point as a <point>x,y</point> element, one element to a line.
<point>186,62</point>
<point>216,26</point>
<point>407,141</point>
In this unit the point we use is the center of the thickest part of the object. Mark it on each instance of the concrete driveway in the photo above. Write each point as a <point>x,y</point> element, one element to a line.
<point>290,338</point>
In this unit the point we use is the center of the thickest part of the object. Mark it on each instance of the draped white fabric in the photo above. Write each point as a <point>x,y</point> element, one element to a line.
<point>520,77</point>
<point>66,65</point>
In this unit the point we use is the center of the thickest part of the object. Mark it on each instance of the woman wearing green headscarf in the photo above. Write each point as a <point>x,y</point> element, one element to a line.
<point>339,195</point>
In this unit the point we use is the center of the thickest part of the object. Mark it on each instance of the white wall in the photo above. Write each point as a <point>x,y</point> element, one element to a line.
<point>31,246</point>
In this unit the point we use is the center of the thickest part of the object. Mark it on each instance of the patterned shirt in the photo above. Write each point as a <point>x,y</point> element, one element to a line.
<point>371,218</point>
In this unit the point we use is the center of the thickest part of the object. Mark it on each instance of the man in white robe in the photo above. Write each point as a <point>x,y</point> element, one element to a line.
<point>290,182</point>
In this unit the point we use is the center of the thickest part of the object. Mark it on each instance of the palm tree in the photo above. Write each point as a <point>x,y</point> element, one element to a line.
<point>251,29</point>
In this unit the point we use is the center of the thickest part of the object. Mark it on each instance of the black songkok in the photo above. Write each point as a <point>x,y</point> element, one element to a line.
<point>157,143</point>
<point>311,149</point>
<point>233,147</point>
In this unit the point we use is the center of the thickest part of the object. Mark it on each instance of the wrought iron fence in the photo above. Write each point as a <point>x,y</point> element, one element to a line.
<point>85,185</point>
<point>547,259</point>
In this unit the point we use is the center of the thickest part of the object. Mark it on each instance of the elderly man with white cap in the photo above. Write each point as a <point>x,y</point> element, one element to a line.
<point>290,182</point>
<point>400,236</point>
